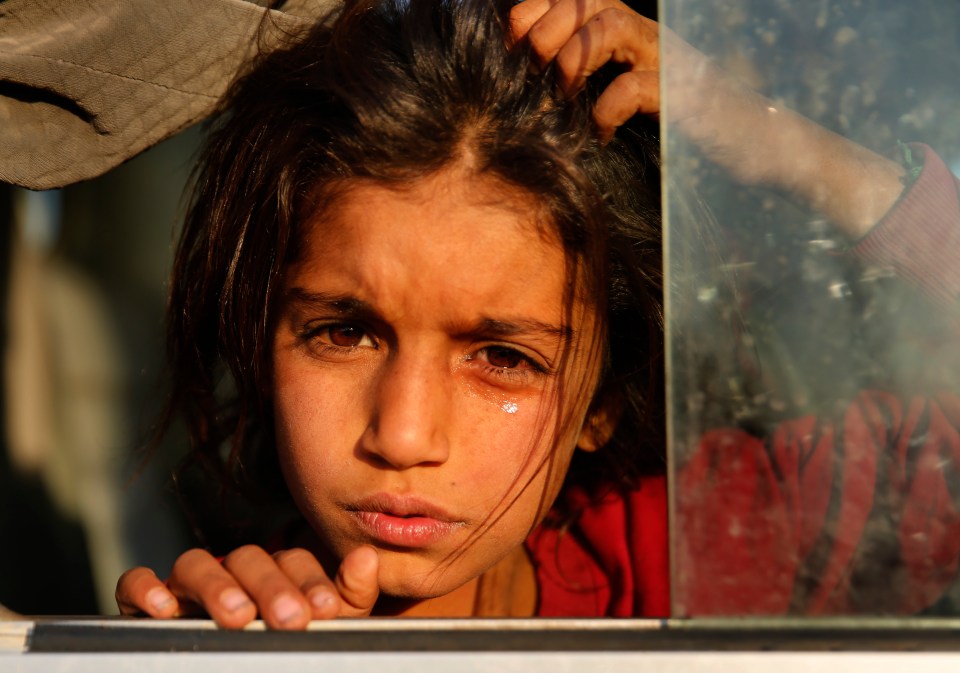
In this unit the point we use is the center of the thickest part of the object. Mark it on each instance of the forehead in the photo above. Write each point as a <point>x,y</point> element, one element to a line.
<point>451,238</point>
<point>454,200</point>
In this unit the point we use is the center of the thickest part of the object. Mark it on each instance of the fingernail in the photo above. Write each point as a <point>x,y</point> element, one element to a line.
<point>286,608</point>
<point>234,599</point>
<point>160,599</point>
<point>321,598</point>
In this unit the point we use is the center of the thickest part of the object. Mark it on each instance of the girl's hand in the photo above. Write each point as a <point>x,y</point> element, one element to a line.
<point>580,37</point>
<point>287,589</point>
<point>757,141</point>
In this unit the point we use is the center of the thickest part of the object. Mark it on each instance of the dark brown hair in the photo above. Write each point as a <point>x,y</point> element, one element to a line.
<point>393,91</point>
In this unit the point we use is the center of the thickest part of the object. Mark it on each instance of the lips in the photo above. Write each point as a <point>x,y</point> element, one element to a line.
<point>403,521</point>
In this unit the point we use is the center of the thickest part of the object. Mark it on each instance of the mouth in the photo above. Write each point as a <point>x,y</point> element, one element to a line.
<point>403,522</point>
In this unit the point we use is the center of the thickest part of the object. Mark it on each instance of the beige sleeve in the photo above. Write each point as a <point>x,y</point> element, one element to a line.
<point>87,84</point>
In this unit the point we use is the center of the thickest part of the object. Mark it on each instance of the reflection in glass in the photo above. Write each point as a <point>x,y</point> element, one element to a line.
<point>813,288</point>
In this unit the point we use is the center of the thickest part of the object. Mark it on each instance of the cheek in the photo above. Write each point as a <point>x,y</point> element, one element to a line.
<point>513,453</point>
<point>312,428</point>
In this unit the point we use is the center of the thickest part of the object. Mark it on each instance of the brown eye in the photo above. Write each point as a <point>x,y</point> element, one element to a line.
<point>504,358</point>
<point>345,336</point>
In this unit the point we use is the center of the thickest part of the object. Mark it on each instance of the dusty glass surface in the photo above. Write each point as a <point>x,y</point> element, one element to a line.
<point>813,352</point>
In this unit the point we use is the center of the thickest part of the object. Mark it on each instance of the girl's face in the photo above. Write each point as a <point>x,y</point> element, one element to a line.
<point>417,376</point>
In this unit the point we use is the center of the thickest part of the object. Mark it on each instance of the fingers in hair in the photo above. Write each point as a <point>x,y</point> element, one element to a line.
<point>612,35</point>
<point>628,94</point>
<point>549,24</point>
<point>523,15</point>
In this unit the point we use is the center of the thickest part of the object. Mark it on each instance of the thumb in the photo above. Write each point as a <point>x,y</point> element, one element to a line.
<point>358,582</point>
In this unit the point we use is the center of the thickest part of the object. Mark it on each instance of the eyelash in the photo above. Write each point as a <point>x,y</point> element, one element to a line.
<point>515,375</point>
<point>526,368</point>
<point>311,335</point>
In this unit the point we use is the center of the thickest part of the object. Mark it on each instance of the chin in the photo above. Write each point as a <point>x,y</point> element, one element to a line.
<point>411,581</point>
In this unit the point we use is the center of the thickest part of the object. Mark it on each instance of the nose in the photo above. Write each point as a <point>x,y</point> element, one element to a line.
<point>409,422</point>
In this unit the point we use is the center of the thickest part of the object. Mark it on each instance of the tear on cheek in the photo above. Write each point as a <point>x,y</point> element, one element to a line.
<point>509,407</point>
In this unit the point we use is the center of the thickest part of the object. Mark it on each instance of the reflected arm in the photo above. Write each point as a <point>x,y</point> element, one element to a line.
<point>762,143</point>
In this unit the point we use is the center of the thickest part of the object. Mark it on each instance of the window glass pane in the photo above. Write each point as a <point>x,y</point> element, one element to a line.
<point>813,262</point>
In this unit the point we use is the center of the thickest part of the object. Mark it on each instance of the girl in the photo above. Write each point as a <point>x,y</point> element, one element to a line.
<point>417,283</point>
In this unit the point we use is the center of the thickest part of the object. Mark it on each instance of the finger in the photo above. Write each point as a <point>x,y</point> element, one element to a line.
<point>628,94</point>
<point>358,582</point>
<point>614,35</point>
<point>140,591</point>
<point>281,604</point>
<point>199,578</point>
<point>308,575</point>
<point>560,22</point>
<point>523,15</point>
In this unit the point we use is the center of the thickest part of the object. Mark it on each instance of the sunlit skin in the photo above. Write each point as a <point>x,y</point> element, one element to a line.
<point>415,369</point>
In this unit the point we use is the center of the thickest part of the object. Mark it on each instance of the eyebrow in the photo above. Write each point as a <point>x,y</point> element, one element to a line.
<point>490,327</point>
<point>338,303</point>
<point>483,328</point>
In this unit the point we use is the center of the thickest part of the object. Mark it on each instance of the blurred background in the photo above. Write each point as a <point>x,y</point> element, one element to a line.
<point>83,276</point>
